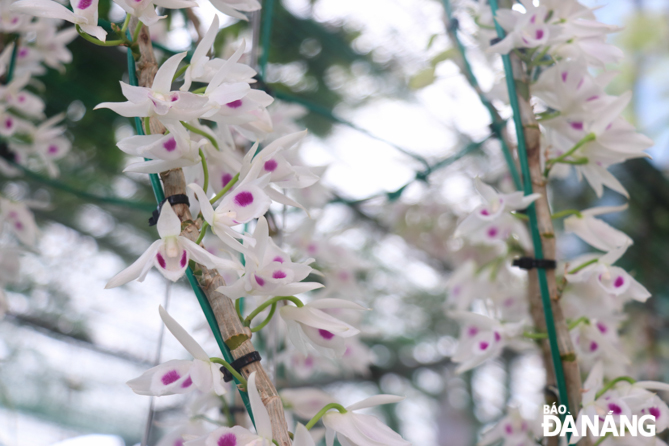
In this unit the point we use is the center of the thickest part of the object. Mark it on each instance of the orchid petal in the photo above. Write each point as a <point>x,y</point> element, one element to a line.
<point>260,415</point>
<point>205,206</point>
<point>162,83</point>
<point>182,336</point>
<point>138,269</point>
<point>375,400</point>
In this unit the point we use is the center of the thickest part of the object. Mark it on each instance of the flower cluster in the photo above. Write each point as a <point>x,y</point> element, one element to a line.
<point>238,164</point>
<point>558,44</point>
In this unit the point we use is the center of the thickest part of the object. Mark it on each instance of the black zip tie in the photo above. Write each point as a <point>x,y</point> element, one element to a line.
<point>495,40</point>
<point>452,25</point>
<point>173,199</point>
<point>260,84</point>
<point>529,263</point>
<point>239,363</point>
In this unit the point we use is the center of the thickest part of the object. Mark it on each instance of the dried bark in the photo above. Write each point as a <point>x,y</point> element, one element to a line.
<point>545,223</point>
<point>236,336</point>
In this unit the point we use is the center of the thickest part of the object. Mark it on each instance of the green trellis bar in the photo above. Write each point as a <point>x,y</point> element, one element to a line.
<point>199,293</point>
<point>497,124</point>
<point>531,212</point>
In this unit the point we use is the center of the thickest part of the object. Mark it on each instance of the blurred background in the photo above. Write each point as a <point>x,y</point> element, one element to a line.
<point>378,84</point>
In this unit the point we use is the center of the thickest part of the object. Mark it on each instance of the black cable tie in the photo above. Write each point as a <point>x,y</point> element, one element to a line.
<point>239,363</point>
<point>529,263</point>
<point>260,84</point>
<point>495,40</point>
<point>452,25</point>
<point>173,199</point>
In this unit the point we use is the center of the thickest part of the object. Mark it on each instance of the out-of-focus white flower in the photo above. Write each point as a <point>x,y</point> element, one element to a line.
<point>513,430</point>
<point>20,220</point>
<point>234,8</point>
<point>145,10</point>
<point>84,13</point>
<point>305,402</point>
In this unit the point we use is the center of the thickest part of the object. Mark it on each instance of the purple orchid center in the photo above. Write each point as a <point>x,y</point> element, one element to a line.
<point>593,346</point>
<point>161,260</point>
<point>578,125</point>
<point>259,280</point>
<point>278,274</point>
<point>483,345</point>
<point>8,123</point>
<point>533,19</point>
<point>508,429</point>
<point>277,259</point>
<point>270,165</point>
<point>325,334</point>
<point>620,281</point>
<point>225,179</point>
<point>83,4</point>
<point>187,383</point>
<point>228,439</point>
<point>602,328</point>
<point>170,144</point>
<point>244,198</point>
<point>564,76</point>
<point>654,411</point>
<point>497,337</point>
<point>53,149</point>
<point>485,212</point>
<point>616,409</point>
<point>21,98</point>
<point>235,104</point>
<point>184,259</point>
<point>492,232</point>
<point>592,98</point>
<point>170,377</point>
<point>539,34</point>
<point>472,331</point>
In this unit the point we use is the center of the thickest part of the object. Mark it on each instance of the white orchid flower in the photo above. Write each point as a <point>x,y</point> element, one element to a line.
<point>237,435</point>
<point>269,271</point>
<point>596,232</point>
<point>525,30</point>
<point>494,206</point>
<point>481,338</point>
<point>145,10</point>
<point>20,220</point>
<point>231,99</point>
<point>310,325</point>
<point>47,142</point>
<point>15,96</point>
<point>233,7</point>
<point>356,429</point>
<point>609,280</point>
<point>170,254</point>
<point>199,61</point>
<point>159,101</point>
<point>247,201</point>
<point>84,13</point>
<point>170,151</point>
<point>282,174</point>
<point>513,430</point>
<point>203,69</point>
<point>180,376</point>
<point>305,402</point>
<point>596,342</point>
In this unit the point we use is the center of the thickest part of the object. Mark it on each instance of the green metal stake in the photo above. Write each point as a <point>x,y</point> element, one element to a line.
<point>534,228</point>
